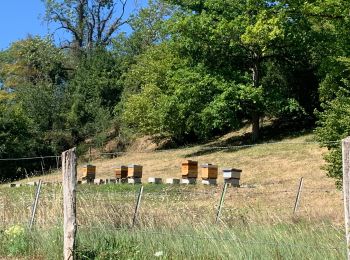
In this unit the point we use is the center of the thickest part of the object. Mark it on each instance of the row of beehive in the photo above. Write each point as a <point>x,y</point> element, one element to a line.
<point>189,170</point>
<point>121,172</point>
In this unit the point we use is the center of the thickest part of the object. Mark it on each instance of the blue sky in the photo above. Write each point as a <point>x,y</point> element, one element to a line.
<point>20,18</point>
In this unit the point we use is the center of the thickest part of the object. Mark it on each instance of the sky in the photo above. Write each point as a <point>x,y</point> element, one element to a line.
<point>20,18</point>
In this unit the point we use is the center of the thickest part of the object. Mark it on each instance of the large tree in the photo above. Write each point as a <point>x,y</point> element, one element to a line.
<point>90,22</point>
<point>240,40</point>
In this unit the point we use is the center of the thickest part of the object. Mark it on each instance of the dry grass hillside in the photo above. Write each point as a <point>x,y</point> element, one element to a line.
<point>256,222</point>
<point>270,178</point>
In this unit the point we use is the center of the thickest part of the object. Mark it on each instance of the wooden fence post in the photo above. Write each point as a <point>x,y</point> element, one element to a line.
<point>346,189</point>
<point>35,205</point>
<point>69,171</point>
<point>218,213</point>
<point>297,199</point>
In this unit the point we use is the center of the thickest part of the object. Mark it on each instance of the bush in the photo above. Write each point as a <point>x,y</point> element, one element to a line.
<point>16,241</point>
<point>334,125</point>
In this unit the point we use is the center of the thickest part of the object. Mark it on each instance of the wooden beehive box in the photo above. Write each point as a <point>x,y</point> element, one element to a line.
<point>134,171</point>
<point>89,172</point>
<point>121,172</point>
<point>209,171</point>
<point>229,173</point>
<point>189,169</point>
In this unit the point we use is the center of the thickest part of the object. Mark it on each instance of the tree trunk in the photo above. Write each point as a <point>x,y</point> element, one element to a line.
<point>255,126</point>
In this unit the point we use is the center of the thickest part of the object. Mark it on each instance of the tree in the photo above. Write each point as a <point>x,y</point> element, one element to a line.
<point>31,61</point>
<point>90,22</point>
<point>34,75</point>
<point>334,112</point>
<point>17,139</point>
<point>94,90</point>
<point>166,97</point>
<point>236,39</point>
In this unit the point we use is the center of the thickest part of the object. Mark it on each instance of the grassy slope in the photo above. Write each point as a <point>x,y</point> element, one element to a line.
<point>267,168</point>
<point>260,211</point>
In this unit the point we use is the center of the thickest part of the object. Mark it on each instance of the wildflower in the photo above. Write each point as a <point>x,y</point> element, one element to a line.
<point>14,231</point>
<point>158,254</point>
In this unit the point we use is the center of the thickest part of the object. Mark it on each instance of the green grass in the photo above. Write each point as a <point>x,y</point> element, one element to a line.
<point>283,241</point>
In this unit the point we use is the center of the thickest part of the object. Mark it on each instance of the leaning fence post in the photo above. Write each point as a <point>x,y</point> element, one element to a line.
<point>346,189</point>
<point>35,205</point>
<point>137,206</point>
<point>69,172</point>
<point>297,199</point>
<point>218,213</point>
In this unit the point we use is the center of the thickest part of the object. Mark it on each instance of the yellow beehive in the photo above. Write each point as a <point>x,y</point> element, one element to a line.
<point>189,169</point>
<point>209,171</point>
<point>134,171</point>
<point>89,172</point>
<point>121,172</point>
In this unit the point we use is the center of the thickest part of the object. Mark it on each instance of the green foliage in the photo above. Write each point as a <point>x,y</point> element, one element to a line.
<point>17,138</point>
<point>94,91</point>
<point>166,97</point>
<point>334,114</point>
<point>246,43</point>
<point>16,241</point>
<point>334,125</point>
<point>31,61</point>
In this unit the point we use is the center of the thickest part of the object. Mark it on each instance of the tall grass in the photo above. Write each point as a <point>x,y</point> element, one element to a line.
<point>282,241</point>
<point>175,222</point>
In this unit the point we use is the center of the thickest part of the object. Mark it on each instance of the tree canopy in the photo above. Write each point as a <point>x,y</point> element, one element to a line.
<point>184,70</point>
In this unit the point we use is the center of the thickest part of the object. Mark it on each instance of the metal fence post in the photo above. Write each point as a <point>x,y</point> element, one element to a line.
<point>297,199</point>
<point>137,206</point>
<point>35,205</point>
<point>218,213</point>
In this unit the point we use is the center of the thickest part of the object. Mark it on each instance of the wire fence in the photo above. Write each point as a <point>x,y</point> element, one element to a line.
<point>112,206</point>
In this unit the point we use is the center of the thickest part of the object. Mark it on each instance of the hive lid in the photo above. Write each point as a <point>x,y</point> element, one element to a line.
<point>231,170</point>
<point>209,165</point>
<point>89,165</point>
<point>189,161</point>
<point>134,165</point>
<point>120,166</point>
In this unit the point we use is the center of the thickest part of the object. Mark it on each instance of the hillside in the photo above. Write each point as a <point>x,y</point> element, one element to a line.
<point>264,166</point>
<point>260,212</point>
<point>272,170</point>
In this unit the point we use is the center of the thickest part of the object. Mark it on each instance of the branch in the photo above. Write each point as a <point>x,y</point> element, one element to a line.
<point>117,23</point>
<point>103,23</point>
<point>65,24</point>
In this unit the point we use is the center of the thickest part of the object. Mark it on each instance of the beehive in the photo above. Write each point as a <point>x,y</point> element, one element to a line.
<point>121,172</point>
<point>210,182</point>
<point>172,181</point>
<point>89,172</point>
<point>209,171</point>
<point>134,171</point>
<point>232,182</point>
<point>134,181</point>
<point>229,173</point>
<point>189,181</point>
<point>155,180</point>
<point>189,169</point>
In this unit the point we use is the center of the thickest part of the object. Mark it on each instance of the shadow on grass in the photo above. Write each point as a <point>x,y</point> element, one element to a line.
<point>277,131</point>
